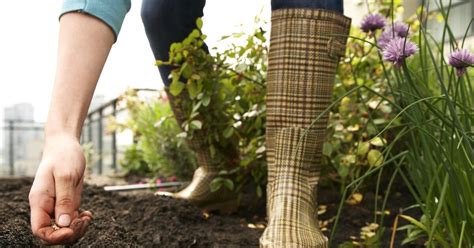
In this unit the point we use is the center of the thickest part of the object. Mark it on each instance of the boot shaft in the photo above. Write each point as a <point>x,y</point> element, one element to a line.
<point>305,47</point>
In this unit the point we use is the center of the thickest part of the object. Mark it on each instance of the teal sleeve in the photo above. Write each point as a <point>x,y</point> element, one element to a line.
<point>112,12</point>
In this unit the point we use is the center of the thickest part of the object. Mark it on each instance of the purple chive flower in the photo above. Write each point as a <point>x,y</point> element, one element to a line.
<point>398,29</point>
<point>398,49</point>
<point>461,59</point>
<point>372,22</point>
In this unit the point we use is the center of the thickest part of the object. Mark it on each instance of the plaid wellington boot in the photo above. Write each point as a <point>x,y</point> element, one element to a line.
<point>305,47</point>
<point>198,191</point>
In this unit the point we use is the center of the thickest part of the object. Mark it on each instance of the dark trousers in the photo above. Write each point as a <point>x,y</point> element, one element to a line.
<point>169,21</point>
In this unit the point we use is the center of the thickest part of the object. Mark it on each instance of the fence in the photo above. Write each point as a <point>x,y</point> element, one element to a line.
<point>103,144</point>
<point>106,151</point>
<point>23,142</point>
<point>22,147</point>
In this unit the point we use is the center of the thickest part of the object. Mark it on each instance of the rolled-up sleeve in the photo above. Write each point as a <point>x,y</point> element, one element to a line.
<point>112,12</point>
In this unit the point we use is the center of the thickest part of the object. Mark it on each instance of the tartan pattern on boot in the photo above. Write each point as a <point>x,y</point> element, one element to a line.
<point>198,191</point>
<point>293,222</point>
<point>305,47</point>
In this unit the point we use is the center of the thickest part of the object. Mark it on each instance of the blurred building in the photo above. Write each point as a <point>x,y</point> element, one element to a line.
<point>97,101</point>
<point>22,140</point>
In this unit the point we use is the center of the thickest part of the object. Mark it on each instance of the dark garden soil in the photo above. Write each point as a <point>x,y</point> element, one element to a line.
<point>146,220</point>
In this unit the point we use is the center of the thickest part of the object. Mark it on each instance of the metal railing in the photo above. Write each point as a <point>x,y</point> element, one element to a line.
<point>93,132</point>
<point>96,117</point>
<point>23,142</point>
<point>18,139</point>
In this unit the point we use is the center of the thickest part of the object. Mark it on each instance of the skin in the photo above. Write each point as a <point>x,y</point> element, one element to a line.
<point>84,44</point>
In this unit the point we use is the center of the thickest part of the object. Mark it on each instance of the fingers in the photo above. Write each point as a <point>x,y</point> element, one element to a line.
<point>42,206</point>
<point>49,236</point>
<point>41,200</point>
<point>67,199</point>
<point>39,219</point>
<point>78,227</point>
<point>85,214</point>
<point>86,218</point>
<point>65,235</point>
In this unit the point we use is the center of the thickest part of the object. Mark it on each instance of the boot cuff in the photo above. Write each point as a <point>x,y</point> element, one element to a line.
<point>318,14</point>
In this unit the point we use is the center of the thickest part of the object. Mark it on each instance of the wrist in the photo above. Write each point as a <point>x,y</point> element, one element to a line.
<point>64,128</point>
<point>60,134</point>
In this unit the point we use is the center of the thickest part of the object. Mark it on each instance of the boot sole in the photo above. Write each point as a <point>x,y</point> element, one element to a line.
<point>272,244</point>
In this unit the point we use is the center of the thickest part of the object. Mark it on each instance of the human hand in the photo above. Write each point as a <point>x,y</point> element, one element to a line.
<point>56,192</point>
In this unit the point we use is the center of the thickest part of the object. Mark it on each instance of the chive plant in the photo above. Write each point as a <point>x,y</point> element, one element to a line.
<point>431,88</point>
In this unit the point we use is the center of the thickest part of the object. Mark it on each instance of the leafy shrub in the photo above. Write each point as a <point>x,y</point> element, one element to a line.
<point>156,149</point>
<point>226,93</point>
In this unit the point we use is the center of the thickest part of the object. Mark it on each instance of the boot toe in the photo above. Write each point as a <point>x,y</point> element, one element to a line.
<point>297,238</point>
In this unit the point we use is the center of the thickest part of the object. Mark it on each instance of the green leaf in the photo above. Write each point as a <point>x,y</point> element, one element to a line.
<point>216,184</point>
<point>178,57</point>
<point>186,70</point>
<point>377,141</point>
<point>260,150</point>
<point>241,67</point>
<point>223,173</point>
<point>197,106</point>
<point>182,135</point>
<point>229,184</point>
<point>176,87</point>
<point>363,148</point>
<point>424,228</point>
<point>327,149</point>
<point>259,191</point>
<point>206,100</point>
<point>175,46</point>
<point>212,149</point>
<point>194,34</point>
<point>375,158</point>
<point>196,124</point>
<point>199,23</point>
<point>349,159</point>
<point>228,132</point>
<point>343,171</point>
<point>192,89</point>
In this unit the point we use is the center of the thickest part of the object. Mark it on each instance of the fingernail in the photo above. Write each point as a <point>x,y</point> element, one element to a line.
<point>64,220</point>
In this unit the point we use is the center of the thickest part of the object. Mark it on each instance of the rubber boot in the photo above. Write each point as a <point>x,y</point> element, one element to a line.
<point>198,191</point>
<point>305,47</point>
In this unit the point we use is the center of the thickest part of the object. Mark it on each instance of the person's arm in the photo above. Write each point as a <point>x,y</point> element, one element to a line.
<point>84,44</point>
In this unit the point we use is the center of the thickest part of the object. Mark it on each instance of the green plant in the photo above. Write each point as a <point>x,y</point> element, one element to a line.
<point>156,149</point>
<point>430,137</point>
<point>434,124</point>
<point>226,101</point>
<point>358,114</point>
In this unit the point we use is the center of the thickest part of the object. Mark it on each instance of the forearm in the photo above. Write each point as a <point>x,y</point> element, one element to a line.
<point>84,44</point>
